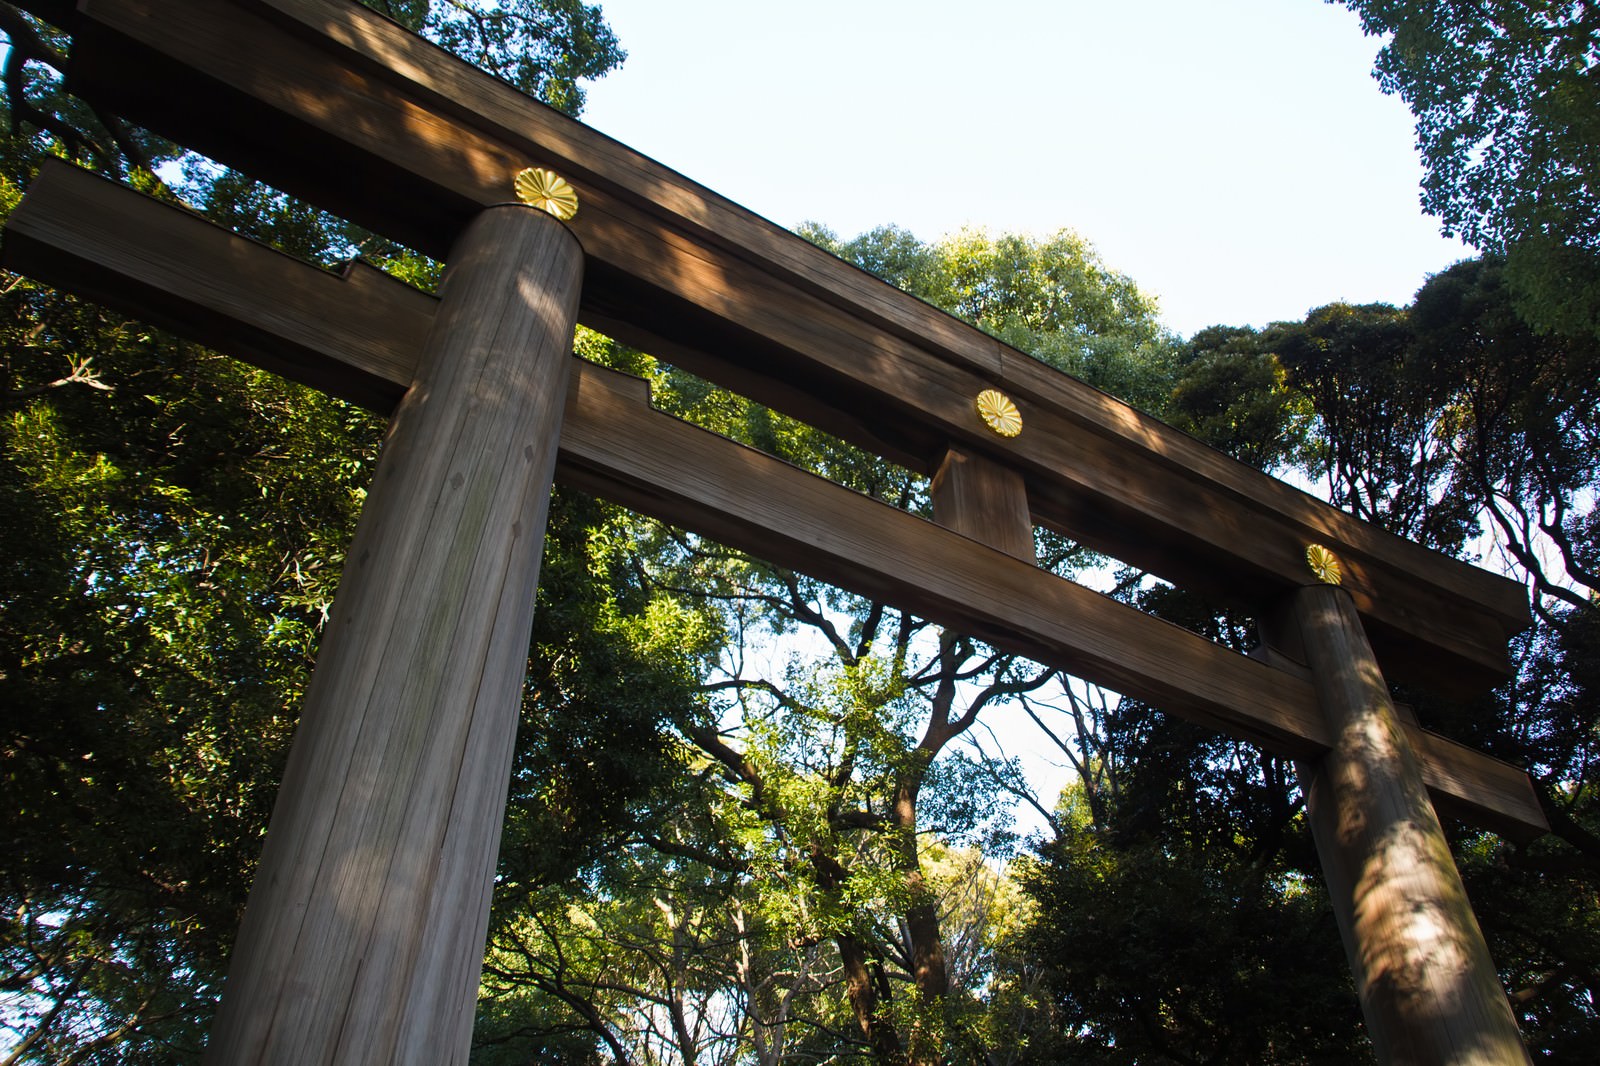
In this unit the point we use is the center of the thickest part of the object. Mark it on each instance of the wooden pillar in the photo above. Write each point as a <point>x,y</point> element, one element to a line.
<point>364,934</point>
<point>1427,985</point>
<point>979,498</point>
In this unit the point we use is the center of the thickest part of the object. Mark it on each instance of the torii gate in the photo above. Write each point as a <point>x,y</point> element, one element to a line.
<point>364,933</point>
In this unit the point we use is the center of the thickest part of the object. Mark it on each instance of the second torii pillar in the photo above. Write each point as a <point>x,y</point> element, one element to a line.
<point>363,938</point>
<point>1428,987</point>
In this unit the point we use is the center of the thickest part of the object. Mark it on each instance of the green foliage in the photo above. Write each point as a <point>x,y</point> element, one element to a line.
<point>175,525</point>
<point>1051,297</point>
<point>543,47</point>
<point>1235,396</point>
<point>613,667</point>
<point>1174,950</point>
<point>177,533</point>
<point>1441,421</point>
<point>1508,123</point>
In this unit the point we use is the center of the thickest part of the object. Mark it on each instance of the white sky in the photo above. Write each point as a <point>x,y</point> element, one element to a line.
<point>1235,157</point>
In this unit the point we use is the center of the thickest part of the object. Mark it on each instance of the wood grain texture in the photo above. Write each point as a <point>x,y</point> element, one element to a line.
<point>744,498</point>
<point>133,251</point>
<point>363,936</point>
<point>330,101</point>
<point>615,445</point>
<point>984,500</point>
<point>1428,987</point>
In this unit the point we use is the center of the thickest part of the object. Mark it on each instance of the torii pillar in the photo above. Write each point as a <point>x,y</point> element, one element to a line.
<point>1428,987</point>
<point>363,938</point>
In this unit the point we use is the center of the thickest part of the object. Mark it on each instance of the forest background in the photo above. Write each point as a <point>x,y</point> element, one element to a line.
<point>748,822</point>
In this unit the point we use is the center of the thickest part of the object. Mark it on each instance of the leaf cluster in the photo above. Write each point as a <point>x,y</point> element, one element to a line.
<point>1452,421</point>
<point>1508,123</point>
<point>545,48</point>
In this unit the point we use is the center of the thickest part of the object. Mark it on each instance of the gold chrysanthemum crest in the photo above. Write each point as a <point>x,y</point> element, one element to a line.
<point>548,191</point>
<point>1324,564</point>
<point>999,413</point>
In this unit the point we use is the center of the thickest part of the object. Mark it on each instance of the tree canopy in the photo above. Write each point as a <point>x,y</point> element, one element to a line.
<point>1402,416</point>
<point>823,890</point>
<point>175,525</point>
<point>1508,124</point>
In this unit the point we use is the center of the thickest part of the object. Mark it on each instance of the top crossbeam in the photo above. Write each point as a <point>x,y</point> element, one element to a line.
<point>344,108</point>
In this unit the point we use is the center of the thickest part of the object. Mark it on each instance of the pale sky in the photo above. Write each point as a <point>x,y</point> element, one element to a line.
<point>1234,157</point>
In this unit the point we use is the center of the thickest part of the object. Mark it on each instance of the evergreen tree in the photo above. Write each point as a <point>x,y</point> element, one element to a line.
<point>175,523</point>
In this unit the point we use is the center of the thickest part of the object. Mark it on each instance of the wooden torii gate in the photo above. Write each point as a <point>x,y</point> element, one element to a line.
<point>364,933</point>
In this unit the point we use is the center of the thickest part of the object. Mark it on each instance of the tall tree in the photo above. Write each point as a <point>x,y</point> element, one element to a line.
<point>546,48</point>
<point>858,763</point>
<point>1452,421</point>
<point>1378,443</point>
<point>1522,433</point>
<point>1508,122</point>
<point>837,776</point>
<point>175,523</point>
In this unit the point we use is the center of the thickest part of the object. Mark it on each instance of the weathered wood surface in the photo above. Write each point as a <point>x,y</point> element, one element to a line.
<point>363,938</point>
<point>1427,984</point>
<point>982,499</point>
<point>108,242</point>
<point>336,104</point>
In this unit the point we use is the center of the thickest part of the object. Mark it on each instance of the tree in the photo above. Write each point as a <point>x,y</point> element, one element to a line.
<point>1233,393</point>
<point>852,762</point>
<point>1377,443</point>
<point>1451,421</point>
<point>868,738</point>
<point>1180,945</point>
<point>1521,430</point>
<point>175,526</point>
<point>816,850</point>
<point>546,48</point>
<point>1508,123</point>
<point>1052,297</point>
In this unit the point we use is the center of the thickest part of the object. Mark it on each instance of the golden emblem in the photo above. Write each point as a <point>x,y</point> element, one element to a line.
<point>1324,564</point>
<point>547,191</point>
<point>999,413</point>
